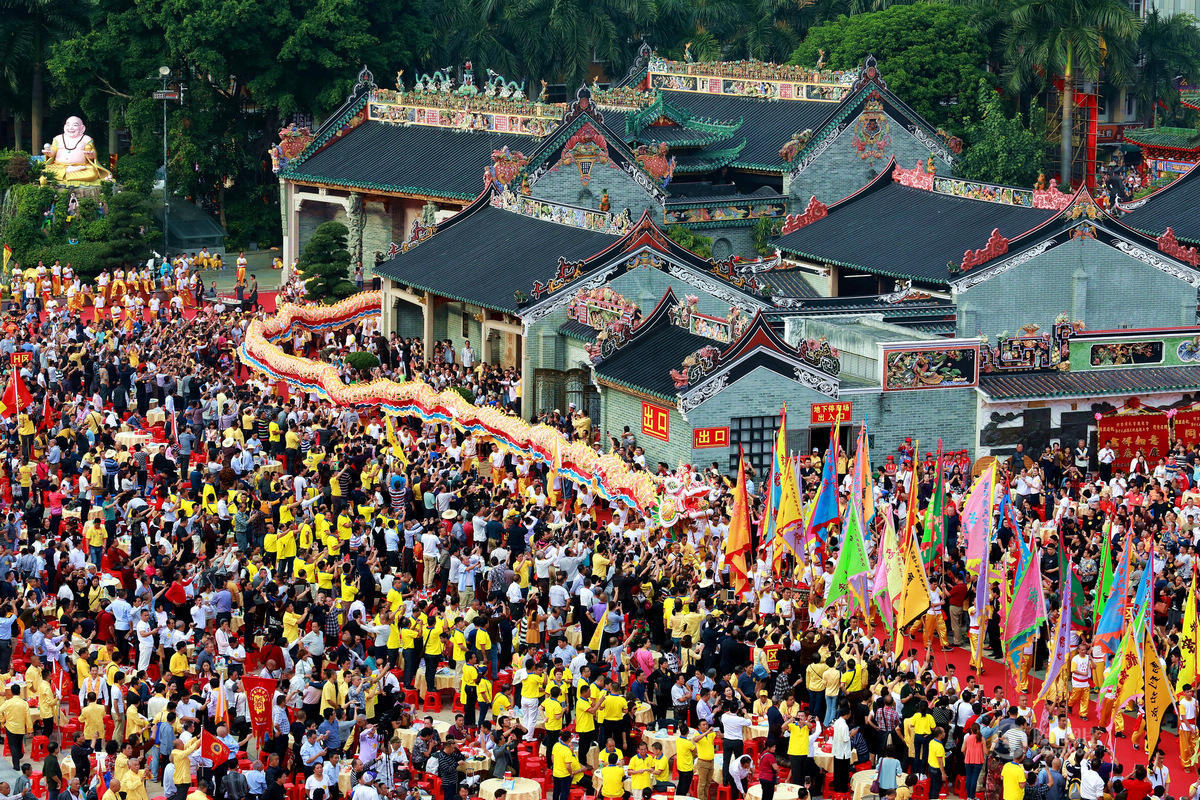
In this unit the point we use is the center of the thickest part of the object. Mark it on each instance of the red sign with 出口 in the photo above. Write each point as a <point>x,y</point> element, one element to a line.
<point>710,437</point>
<point>829,413</point>
<point>656,421</point>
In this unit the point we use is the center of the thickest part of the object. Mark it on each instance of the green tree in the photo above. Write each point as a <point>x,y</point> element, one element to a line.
<point>27,29</point>
<point>325,263</point>
<point>1002,149</point>
<point>1069,40</point>
<point>699,244</point>
<point>129,231</point>
<point>1168,47</point>
<point>929,55</point>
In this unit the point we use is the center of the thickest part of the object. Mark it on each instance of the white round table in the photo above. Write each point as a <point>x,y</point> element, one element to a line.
<point>667,740</point>
<point>783,791</point>
<point>521,789</point>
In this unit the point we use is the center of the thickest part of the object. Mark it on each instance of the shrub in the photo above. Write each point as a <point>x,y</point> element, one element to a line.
<point>362,361</point>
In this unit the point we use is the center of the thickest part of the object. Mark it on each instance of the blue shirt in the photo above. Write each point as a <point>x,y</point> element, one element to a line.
<point>6,627</point>
<point>335,736</point>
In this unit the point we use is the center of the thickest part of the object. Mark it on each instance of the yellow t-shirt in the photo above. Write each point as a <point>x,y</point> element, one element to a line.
<point>706,748</point>
<point>612,780</point>
<point>797,740</point>
<point>937,755</point>
<point>642,780</point>
<point>433,638</point>
<point>685,754</point>
<point>532,686</point>
<point>563,760</point>
<point>458,645</point>
<point>922,724</point>
<point>613,708</point>
<point>554,714</point>
<point>470,677</point>
<point>291,627</point>
<point>1013,779</point>
<point>500,704</point>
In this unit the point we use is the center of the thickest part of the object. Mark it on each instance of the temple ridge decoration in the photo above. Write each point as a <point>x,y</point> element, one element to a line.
<point>507,165</point>
<point>996,246</point>
<point>1170,245</point>
<point>750,78</point>
<point>695,366</point>
<point>1031,350</point>
<point>292,142</point>
<point>792,147</point>
<point>919,177</point>
<point>575,216</point>
<point>818,352</point>
<point>1049,199</point>
<point>501,107</point>
<point>814,211</point>
<point>656,161</point>
<point>686,314</point>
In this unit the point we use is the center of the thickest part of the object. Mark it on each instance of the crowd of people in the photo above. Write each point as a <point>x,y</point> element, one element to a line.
<point>437,615</point>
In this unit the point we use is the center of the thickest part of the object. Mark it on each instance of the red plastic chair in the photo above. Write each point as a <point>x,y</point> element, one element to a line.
<point>37,751</point>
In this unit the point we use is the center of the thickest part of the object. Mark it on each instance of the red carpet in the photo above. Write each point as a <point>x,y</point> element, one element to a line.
<point>994,675</point>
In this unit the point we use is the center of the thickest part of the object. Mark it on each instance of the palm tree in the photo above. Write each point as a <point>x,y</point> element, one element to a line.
<point>1049,39</point>
<point>1168,48</point>
<point>28,28</point>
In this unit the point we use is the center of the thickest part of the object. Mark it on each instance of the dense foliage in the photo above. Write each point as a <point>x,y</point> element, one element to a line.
<point>929,55</point>
<point>1002,149</point>
<point>325,263</point>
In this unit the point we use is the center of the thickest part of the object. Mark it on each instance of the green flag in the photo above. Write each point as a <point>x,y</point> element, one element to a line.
<point>1104,585</point>
<point>849,576</point>
<point>1079,598</point>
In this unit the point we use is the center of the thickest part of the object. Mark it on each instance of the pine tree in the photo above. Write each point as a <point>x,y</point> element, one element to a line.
<point>128,242</point>
<point>325,263</point>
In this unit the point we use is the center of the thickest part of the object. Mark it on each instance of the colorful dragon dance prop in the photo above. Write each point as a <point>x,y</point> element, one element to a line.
<point>608,474</point>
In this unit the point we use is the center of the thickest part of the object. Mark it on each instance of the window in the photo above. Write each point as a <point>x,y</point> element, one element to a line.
<point>1130,105</point>
<point>466,323</point>
<point>756,435</point>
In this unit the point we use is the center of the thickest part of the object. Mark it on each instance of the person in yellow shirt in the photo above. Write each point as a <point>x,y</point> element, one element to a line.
<point>937,762</point>
<point>14,714</point>
<point>431,637</point>
<point>329,692</point>
<point>641,773</point>
<point>531,693</point>
<point>468,693</point>
<point>612,777</point>
<point>563,764</point>
<point>500,705</point>
<point>181,758</point>
<point>587,705</point>
<point>922,728</point>
<point>706,752</point>
<point>685,760</point>
<point>92,716</point>
<point>553,710</point>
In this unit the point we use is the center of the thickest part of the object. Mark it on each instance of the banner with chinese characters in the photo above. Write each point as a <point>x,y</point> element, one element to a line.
<point>829,413</point>
<point>1187,427</point>
<point>656,421</point>
<point>1129,433</point>
<point>21,358</point>
<point>710,437</point>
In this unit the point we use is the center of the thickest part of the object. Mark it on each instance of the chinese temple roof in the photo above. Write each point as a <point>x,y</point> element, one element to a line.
<point>1165,137</point>
<point>1089,383</point>
<point>655,348</point>
<point>1173,206</point>
<point>419,160</point>
<point>1190,96</point>
<point>901,231</point>
<point>483,254</point>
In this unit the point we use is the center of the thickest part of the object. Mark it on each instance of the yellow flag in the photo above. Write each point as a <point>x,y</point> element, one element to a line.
<point>1157,694</point>
<point>1129,677</point>
<point>789,518</point>
<point>598,634</point>
<point>397,448</point>
<point>915,597</point>
<point>1189,635</point>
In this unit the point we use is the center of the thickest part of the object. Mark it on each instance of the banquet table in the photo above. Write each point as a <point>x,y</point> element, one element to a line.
<point>643,713</point>
<point>667,740</point>
<point>155,416</point>
<point>574,635</point>
<point>756,731</point>
<point>130,438</point>
<point>518,789</point>
<point>476,762</point>
<point>860,783</point>
<point>823,757</point>
<point>408,736</point>
<point>783,791</point>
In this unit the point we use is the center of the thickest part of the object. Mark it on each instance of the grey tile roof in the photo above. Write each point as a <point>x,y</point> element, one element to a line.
<point>414,159</point>
<point>767,124</point>
<point>488,253</point>
<point>1090,382</point>
<point>902,232</point>
<point>1176,206</point>
<point>646,362</point>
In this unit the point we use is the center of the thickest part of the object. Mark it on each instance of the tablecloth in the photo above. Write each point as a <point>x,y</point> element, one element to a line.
<point>643,713</point>
<point>783,791</point>
<point>520,789</point>
<point>860,783</point>
<point>409,735</point>
<point>667,740</point>
<point>824,759</point>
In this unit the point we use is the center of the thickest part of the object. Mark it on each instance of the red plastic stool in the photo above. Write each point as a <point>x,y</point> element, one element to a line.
<point>960,786</point>
<point>39,790</point>
<point>412,697</point>
<point>37,751</point>
<point>724,792</point>
<point>921,790</point>
<point>433,702</point>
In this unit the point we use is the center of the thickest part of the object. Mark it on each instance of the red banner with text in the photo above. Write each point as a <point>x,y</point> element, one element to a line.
<point>1187,427</point>
<point>1129,433</point>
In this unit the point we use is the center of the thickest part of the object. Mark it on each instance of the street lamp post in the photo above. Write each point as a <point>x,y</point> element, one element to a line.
<point>164,73</point>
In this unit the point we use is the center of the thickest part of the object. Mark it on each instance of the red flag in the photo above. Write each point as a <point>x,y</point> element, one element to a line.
<point>101,788</point>
<point>260,692</point>
<point>15,396</point>
<point>47,414</point>
<point>213,749</point>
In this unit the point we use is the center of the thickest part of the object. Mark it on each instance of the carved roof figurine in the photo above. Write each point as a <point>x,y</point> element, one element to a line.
<point>792,147</point>
<point>655,160</point>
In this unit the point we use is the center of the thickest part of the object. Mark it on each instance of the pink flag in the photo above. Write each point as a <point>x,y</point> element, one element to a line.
<point>977,517</point>
<point>1062,641</point>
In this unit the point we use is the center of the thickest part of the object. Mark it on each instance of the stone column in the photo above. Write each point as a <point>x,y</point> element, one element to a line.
<point>354,221</point>
<point>427,319</point>
<point>526,378</point>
